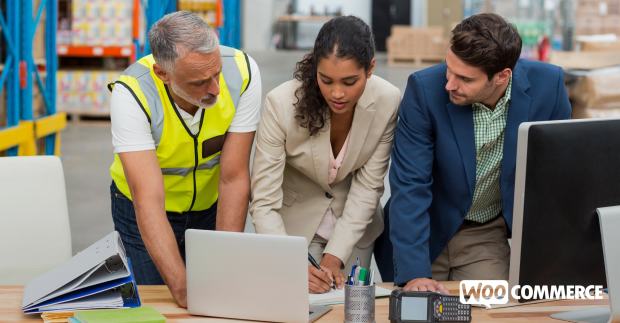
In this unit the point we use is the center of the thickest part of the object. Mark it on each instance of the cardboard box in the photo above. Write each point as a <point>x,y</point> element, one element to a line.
<point>588,25</point>
<point>589,113</point>
<point>588,11</point>
<point>584,60</point>
<point>599,46</point>
<point>38,44</point>
<point>82,91</point>
<point>611,24</point>
<point>413,45</point>
<point>101,23</point>
<point>613,7</point>
<point>596,95</point>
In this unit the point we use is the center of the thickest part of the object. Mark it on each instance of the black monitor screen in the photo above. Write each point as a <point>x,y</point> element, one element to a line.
<point>572,168</point>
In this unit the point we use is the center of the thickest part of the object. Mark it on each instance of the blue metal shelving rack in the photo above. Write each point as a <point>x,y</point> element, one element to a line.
<point>23,127</point>
<point>9,22</point>
<point>153,10</point>
<point>230,32</point>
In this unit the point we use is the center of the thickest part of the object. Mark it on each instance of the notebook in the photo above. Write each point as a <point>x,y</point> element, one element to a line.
<point>144,314</point>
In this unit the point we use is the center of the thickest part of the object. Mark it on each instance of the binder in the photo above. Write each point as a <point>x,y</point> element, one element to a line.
<point>100,276</point>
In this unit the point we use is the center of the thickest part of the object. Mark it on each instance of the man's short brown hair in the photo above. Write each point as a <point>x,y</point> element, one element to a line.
<point>486,41</point>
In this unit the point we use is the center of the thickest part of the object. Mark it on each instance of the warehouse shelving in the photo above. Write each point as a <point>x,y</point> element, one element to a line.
<point>209,10</point>
<point>223,15</point>
<point>98,41</point>
<point>29,127</point>
<point>87,62</point>
<point>95,51</point>
<point>153,11</point>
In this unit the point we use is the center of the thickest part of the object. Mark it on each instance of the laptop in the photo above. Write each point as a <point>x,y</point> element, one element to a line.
<point>609,219</point>
<point>248,276</point>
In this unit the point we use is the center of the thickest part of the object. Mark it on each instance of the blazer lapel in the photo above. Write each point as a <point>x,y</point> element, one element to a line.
<point>463,128</point>
<point>362,119</point>
<point>518,112</point>
<point>320,155</point>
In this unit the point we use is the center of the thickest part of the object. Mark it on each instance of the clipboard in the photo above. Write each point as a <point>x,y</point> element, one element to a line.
<point>100,276</point>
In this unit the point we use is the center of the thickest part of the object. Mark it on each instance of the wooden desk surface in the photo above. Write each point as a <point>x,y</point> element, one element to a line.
<point>159,297</point>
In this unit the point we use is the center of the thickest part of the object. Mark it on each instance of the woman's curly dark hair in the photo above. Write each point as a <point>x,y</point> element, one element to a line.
<point>350,37</point>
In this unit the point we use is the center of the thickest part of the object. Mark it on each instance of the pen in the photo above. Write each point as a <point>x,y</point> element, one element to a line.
<point>362,277</point>
<point>352,276</point>
<point>357,275</point>
<point>316,265</point>
<point>313,262</point>
<point>372,277</point>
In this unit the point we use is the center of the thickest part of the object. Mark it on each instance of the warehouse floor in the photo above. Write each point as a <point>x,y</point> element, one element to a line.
<point>87,151</point>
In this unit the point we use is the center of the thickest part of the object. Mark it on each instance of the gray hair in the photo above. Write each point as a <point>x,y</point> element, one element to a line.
<point>179,33</point>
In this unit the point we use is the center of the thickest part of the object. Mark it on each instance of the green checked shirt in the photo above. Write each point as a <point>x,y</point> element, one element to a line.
<point>489,128</point>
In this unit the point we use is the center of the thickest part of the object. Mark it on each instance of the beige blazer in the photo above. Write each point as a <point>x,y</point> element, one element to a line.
<point>290,190</point>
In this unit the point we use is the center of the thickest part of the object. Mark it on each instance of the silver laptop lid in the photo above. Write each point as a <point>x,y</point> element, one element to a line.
<point>609,219</point>
<point>247,276</point>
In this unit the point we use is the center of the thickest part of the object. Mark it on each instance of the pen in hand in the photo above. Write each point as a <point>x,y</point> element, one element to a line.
<point>316,265</point>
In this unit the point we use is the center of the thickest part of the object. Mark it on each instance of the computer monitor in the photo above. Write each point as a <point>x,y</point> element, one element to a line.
<point>565,171</point>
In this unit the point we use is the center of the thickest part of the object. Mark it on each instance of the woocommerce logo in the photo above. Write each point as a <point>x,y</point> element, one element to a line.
<point>496,292</point>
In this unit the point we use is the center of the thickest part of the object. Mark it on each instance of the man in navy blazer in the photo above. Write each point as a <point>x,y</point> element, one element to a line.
<point>453,162</point>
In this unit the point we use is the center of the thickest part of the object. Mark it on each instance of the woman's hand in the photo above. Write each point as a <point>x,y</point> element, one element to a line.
<point>333,264</point>
<point>319,281</point>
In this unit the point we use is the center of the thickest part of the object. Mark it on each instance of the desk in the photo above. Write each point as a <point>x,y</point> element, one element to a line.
<point>159,297</point>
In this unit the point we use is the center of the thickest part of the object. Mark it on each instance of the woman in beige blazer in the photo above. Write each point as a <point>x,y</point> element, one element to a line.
<point>322,152</point>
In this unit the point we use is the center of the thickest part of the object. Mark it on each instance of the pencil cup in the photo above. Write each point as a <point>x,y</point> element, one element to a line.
<point>359,304</point>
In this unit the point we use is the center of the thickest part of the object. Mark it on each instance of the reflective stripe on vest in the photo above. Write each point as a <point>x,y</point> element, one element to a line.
<point>190,175</point>
<point>185,171</point>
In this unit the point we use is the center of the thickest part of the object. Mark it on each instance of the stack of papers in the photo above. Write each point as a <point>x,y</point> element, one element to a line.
<point>107,299</point>
<point>336,296</point>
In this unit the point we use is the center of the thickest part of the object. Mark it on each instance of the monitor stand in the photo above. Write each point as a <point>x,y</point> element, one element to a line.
<point>591,315</point>
<point>609,220</point>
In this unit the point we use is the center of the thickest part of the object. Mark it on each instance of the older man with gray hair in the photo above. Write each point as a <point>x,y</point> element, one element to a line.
<point>183,122</point>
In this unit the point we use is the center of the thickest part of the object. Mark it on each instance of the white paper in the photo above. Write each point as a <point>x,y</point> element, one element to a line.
<point>108,299</point>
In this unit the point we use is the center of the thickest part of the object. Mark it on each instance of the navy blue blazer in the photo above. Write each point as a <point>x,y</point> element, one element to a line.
<point>433,167</point>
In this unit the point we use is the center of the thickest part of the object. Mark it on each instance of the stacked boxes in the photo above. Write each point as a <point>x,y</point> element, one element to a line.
<point>596,95</point>
<point>99,23</point>
<point>408,44</point>
<point>84,92</point>
<point>597,17</point>
<point>207,9</point>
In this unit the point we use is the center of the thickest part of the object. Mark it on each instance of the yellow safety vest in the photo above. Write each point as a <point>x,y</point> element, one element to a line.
<point>190,176</point>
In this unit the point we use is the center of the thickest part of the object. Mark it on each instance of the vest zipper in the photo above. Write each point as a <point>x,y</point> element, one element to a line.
<point>195,168</point>
<point>195,137</point>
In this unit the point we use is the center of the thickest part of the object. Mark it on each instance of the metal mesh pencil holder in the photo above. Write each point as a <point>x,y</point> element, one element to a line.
<point>359,304</point>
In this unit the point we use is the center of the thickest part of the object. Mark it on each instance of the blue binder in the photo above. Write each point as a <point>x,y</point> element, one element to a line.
<point>98,277</point>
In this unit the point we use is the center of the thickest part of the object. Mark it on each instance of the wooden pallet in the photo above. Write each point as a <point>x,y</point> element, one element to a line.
<point>79,116</point>
<point>413,62</point>
<point>409,46</point>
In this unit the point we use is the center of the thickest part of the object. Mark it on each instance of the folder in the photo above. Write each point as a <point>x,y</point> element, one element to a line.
<point>100,276</point>
<point>144,314</point>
